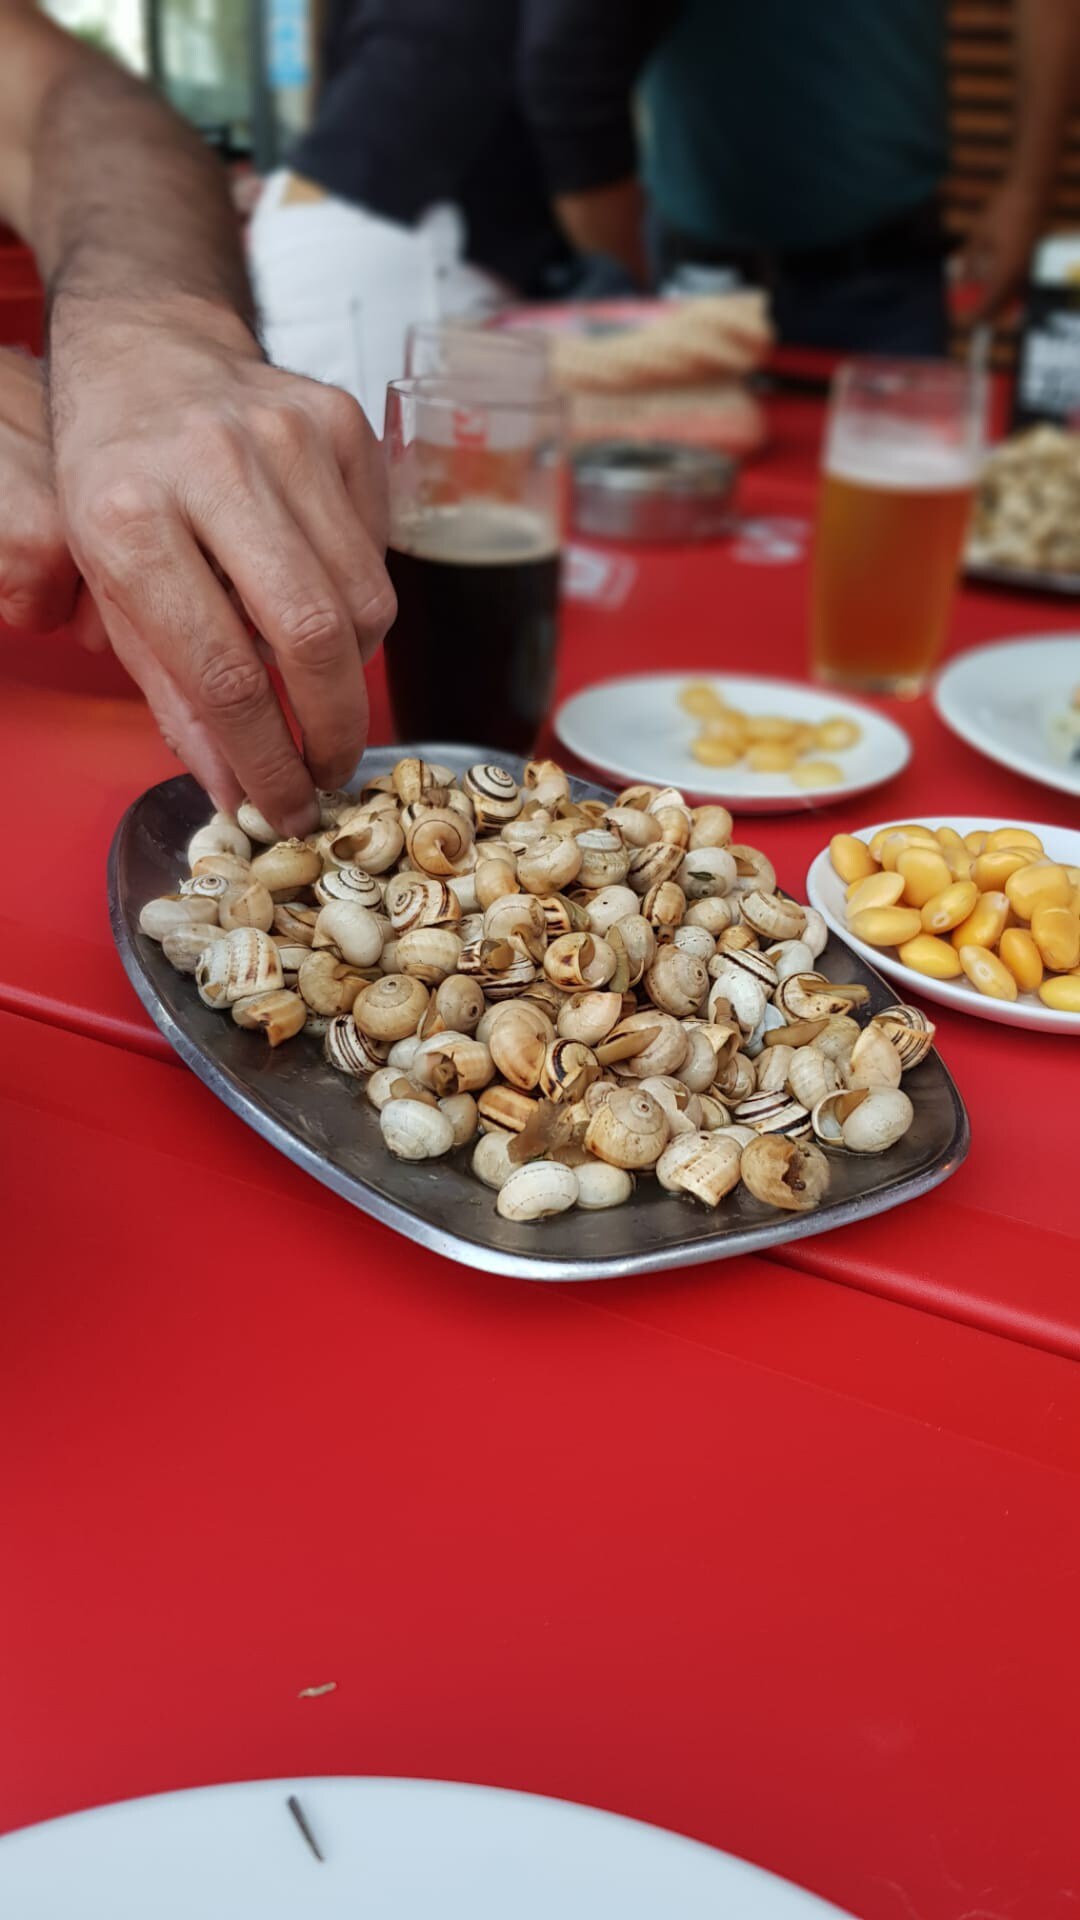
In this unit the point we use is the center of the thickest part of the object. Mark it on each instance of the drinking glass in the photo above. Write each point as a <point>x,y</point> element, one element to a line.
<point>477,501</point>
<point>903,445</point>
<point>514,360</point>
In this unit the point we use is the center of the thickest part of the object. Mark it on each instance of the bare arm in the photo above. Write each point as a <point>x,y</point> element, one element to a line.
<point>184,464</point>
<point>579,62</point>
<point>999,246</point>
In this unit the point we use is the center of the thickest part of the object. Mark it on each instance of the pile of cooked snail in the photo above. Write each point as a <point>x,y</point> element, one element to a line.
<point>587,992</point>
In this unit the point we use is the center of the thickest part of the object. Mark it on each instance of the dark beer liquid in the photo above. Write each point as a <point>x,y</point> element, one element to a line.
<point>471,655</point>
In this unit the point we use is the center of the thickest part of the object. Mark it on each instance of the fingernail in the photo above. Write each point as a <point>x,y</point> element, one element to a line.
<point>304,821</point>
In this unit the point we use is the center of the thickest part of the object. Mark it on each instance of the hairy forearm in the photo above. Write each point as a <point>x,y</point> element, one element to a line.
<point>1048,52</point>
<point>119,198</point>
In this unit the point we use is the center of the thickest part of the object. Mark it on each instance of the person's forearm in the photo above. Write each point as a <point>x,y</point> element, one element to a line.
<point>1048,52</point>
<point>610,221</point>
<point>118,197</point>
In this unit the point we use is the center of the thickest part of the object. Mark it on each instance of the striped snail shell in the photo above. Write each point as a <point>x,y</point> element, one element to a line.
<point>351,1051</point>
<point>773,1113</point>
<point>350,883</point>
<point>418,900</point>
<point>495,794</point>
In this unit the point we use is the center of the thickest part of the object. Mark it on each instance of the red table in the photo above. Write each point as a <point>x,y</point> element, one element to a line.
<point>995,1248</point>
<point>777,1563</point>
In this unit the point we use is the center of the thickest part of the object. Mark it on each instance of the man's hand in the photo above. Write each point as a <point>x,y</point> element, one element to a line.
<point>997,252</point>
<point>185,467</point>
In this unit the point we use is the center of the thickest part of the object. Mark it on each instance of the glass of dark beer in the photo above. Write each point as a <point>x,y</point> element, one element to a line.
<point>477,487</point>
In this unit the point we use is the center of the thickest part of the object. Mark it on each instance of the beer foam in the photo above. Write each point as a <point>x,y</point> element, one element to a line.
<point>903,463</point>
<point>476,533</point>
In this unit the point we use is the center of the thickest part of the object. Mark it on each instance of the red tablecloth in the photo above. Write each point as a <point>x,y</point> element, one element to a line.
<point>778,1564</point>
<point>995,1247</point>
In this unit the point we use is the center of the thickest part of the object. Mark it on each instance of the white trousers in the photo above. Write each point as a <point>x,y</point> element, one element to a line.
<point>337,287</point>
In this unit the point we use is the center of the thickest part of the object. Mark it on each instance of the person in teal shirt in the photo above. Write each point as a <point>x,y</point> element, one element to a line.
<point>799,144</point>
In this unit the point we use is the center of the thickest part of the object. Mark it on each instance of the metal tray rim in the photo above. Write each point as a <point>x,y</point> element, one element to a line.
<point>485,1255</point>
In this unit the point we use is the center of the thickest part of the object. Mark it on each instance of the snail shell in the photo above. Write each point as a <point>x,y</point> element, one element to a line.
<point>770,915</point>
<point>695,940</point>
<point>837,1038</point>
<point>707,1167</point>
<point>352,930</point>
<point>811,1074</point>
<point>247,903</point>
<point>441,842</point>
<point>682,1107</point>
<point>245,962</point>
<point>635,827</point>
<point>610,904</point>
<point>506,1107</point>
<point>790,956</point>
<point>413,1131</point>
<point>491,1162</point>
<point>537,1190</point>
<point>412,778</point>
<point>373,843</point>
<point>716,1116</point>
<point>809,996</point>
<point>350,883</point>
<point>295,922</point>
<point>221,834</point>
<point>221,866</point>
<point>522,914</point>
<point>664,906</point>
<point>431,954</point>
<point>546,782</point>
<point>773,1066</point>
<point>739,993</point>
<point>644,1044</point>
<point>562,915</point>
<point>578,960</point>
<point>773,1113</point>
<point>452,1063</point>
<point>459,1002</point>
<point>630,1129</point>
<point>604,859</point>
<point>785,1173</point>
<point>279,1014</point>
<point>351,1051</point>
<point>815,933</point>
<point>518,1037</point>
<point>706,872</point>
<point>549,863</point>
<point>204,886</point>
<point>911,1033</point>
<point>328,985</point>
<point>254,824</point>
<point>874,1062</point>
<point>651,865</point>
<point>495,873</point>
<point>568,1068</point>
<point>677,982</point>
<point>184,946</point>
<point>420,900</point>
<point>864,1120</point>
<point>495,794</point>
<point>461,1111</point>
<point>639,944</point>
<point>287,866</point>
<point>175,910</point>
<point>698,1070</point>
<point>589,1016</point>
<point>601,1185</point>
<point>391,1008</point>
<point>710,827</point>
<point>753,871</point>
<point>714,913</point>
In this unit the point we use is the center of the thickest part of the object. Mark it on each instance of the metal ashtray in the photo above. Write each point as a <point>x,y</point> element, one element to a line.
<point>653,490</point>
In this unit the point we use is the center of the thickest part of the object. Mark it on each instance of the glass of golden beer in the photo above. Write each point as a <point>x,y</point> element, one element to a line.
<point>903,446</point>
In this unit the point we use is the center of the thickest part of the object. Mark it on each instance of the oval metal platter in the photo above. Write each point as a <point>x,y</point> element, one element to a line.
<point>321,1120</point>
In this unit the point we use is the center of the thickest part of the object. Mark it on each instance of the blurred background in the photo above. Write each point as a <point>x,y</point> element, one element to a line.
<point>244,73</point>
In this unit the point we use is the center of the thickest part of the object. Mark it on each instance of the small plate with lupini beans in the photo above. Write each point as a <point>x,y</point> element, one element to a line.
<point>981,915</point>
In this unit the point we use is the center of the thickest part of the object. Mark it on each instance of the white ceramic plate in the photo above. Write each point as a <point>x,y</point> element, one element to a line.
<point>1010,700</point>
<point>636,729</point>
<point>392,1850</point>
<point>826,891</point>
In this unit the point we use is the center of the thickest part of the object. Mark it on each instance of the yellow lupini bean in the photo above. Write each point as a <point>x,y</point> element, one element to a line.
<point>1063,994</point>
<point>1056,933</point>
<point>991,870</point>
<point>1022,957</point>
<point>989,974</point>
<point>975,841</point>
<point>1041,885</point>
<point>1012,837</point>
<point>886,926</point>
<point>954,850</point>
<point>701,700</point>
<point>934,957</point>
<point>715,753</point>
<point>924,872</point>
<point>833,736</point>
<point>770,756</point>
<point>769,726</point>
<point>985,923</point>
<point>851,857</point>
<point>950,907</point>
<point>899,826</point>
<point>877,890</point>
<point>901,840</point>
<point>817,773</point>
